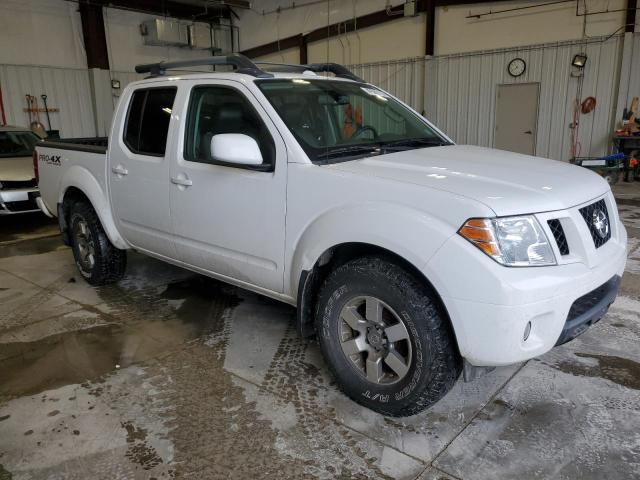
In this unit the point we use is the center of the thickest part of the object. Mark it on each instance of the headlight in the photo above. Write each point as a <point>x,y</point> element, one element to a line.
<point>511,241</point>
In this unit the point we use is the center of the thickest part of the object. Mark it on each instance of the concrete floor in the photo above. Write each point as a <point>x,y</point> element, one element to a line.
<point>173,375</point>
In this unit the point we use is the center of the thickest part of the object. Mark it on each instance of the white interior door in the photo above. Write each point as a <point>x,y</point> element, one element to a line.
<point>517,117</point>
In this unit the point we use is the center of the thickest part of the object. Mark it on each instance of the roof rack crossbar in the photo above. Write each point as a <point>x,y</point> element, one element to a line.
<point>240,62</point>
<point>335,68</point>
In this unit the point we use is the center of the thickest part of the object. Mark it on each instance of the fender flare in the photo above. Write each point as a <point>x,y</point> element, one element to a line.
<point>382,225</point>
<point>81,178</point>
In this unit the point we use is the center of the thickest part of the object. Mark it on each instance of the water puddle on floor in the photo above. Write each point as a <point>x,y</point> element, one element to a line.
<point>618,370</point>
<point>141,324</point>
<point>32,247</point>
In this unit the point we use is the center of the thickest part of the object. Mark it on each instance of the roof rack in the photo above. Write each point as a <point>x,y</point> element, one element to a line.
<point>242,64</point>
<point>335,68</point>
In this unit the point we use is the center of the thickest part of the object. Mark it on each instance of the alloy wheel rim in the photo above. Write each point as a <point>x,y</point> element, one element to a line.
<point>375,340</point>
<point>86,247</point>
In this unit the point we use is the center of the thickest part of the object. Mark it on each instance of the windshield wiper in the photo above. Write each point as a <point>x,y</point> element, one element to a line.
<point>348,151</point>
<point>414,143</point>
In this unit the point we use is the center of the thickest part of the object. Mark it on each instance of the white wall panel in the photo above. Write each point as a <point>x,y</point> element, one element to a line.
<point>402,78</point>
<point>41,32</point>
<point>461,90</point>
<point>630,81</point>
<point>67,89</point>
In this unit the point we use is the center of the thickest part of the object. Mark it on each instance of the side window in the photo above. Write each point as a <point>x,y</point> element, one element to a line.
<point>147,123</point>
<point>216,110</point>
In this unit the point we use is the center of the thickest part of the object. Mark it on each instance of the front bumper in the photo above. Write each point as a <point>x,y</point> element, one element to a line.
<point>588,309</point>
<point>491,306</point>
<point>19,201</point>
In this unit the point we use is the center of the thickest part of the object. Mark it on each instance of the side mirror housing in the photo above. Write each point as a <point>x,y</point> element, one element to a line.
<point>235,148</point>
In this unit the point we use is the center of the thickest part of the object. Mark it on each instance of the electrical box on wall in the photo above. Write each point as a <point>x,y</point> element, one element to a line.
<point>410,9</point>
<point>165,32</point>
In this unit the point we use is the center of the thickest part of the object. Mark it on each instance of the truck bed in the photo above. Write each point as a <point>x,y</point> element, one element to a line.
<point>77,162</point>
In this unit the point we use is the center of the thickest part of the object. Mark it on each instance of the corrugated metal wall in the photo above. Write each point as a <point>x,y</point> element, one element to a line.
<point>402,78</point>
<point>461,92</point>
<point>458,92</point>
<point>630,84</point>
<point>67,89</point>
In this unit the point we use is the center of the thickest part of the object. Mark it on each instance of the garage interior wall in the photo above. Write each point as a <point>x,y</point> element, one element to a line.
<point>405,37</point>
<point>461,94</point>
<point>67,89</point>
<point>42,51</point>
<point>456,88</point>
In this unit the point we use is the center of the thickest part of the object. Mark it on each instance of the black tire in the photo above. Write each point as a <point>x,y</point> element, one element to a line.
<point>108,263</point>
<point>434,363</point>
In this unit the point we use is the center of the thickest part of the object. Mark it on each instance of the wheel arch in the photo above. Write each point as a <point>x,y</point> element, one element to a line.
<point>79,184</point>
<point>311,280</point>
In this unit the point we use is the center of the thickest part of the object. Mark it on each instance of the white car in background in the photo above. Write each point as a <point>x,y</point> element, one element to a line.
<point>411,258</point>
<point>18,186</point>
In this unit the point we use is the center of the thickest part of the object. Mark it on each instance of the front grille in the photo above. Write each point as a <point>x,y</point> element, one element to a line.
<point>558,234</point>
<point>589,300</point>
<point>588,215</point>
<point>18,184</point>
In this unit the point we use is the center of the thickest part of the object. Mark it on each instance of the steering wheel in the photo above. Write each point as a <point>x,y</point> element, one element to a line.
<point>365,128</point>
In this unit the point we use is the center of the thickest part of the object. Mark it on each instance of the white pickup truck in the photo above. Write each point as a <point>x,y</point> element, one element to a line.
<point>411,258</point>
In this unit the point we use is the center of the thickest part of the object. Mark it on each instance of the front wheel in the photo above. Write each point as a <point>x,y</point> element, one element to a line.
<point>384,337</point>
<point>98,261</point>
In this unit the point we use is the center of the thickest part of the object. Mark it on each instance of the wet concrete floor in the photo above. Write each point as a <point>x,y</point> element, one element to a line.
<point>173,375</point>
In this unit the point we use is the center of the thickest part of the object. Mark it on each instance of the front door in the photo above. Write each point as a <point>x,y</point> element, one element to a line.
<point>229,219</point>
<point>517,117</point>
<point>138,170</point>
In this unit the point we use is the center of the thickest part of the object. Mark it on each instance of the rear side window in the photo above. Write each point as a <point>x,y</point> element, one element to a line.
<point>147,124</point>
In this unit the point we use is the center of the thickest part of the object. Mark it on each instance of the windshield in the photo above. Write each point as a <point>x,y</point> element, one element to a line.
<point>337,121</point>
<point>17,144</point>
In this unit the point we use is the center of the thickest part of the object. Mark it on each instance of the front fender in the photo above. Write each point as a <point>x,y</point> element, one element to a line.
<point>412,234</point>
<point>82,179</point>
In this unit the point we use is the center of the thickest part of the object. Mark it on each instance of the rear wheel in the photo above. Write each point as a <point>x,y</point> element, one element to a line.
<point>98,261</point>
<point>385,339</point>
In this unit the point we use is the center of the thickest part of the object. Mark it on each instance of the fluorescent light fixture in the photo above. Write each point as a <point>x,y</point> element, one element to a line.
<point>579,60</point>
<point>167,110</point>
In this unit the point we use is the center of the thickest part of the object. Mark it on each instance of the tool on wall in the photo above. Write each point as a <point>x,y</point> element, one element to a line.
<point>35,124</point>
<point>50,133</point>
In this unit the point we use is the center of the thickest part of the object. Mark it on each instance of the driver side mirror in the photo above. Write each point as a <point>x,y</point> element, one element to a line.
<point>235,148</point>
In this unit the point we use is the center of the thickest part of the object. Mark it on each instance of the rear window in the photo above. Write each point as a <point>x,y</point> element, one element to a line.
<point>17,144</point>
<point>147,123</point>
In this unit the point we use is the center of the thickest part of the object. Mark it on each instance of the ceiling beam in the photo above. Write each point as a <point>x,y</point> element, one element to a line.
<point>364,21</point>
<point>95,40</point>
<point>630,19</point>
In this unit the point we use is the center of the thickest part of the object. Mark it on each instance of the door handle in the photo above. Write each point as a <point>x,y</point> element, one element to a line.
<point>181,181</point>
<point>120,170</point>
<point>529,132</point>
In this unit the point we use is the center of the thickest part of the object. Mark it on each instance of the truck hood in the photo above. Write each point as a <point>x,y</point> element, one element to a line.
<point>14,169</point>
<point>508,183</point>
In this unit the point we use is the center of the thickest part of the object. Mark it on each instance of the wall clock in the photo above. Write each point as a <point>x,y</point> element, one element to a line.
<point>517,67</point>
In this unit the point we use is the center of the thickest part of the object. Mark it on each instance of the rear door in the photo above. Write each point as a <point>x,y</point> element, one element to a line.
<point>138,169</point>
<point>229,219</point>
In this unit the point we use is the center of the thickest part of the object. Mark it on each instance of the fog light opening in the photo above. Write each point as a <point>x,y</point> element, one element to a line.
<point>527,331</point>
